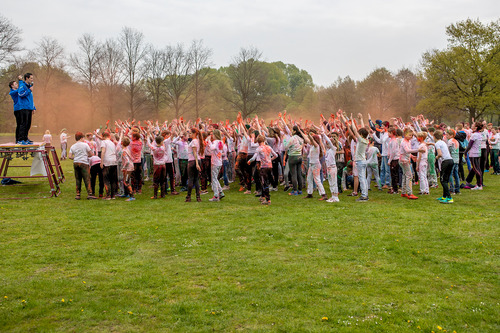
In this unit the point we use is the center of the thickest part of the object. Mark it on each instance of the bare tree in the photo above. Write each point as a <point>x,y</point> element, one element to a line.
<point>178,80</point>
<point>110,72</point>
<point>85,64</point>
<point>10,39</point>
<point>50,56</point>
<point>132,42</point>
<point>200,56</point>
<point>155,77</point>
<point>248,77</point>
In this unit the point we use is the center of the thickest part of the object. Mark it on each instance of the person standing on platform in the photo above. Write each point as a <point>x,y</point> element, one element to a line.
<point>26,107</point>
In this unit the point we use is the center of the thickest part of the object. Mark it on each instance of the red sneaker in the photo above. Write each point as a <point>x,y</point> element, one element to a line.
<point>412,197</point>
<point>404,195</point>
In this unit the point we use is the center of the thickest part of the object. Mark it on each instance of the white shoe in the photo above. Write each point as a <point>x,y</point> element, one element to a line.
<point>225,188</point>
<point>477,188</point>
<point>330,200</point>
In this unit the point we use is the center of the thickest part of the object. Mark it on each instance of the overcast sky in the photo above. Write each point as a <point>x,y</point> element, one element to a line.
<point>327,38</point>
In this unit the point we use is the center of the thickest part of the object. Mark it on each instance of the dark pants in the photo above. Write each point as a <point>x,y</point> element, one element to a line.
<point>475,171</point>
<point>183,169</point>
<point>19,117</point>
<point>206,172</point>
<point>127,180</point>
<point>159,175</point>
<point>295,166</point>
<point>25,124</point>
<point>110,176</point>
<point>461,166</point>
<point>241,165</point>
<point>96,171</point>
<point>484,160</point>
<point>265,176</point>
<point>169,167</point>
<point>395,174</point>
<point>137,177</point>
<point>82,172</point>
<point>193,179</point>
<point>446,168</point>
<point>275,173</point>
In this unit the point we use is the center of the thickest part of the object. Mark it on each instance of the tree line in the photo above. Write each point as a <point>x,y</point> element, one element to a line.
<point>125,77</point>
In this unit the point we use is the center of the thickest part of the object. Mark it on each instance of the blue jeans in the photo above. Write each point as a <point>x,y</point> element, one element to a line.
<point>225,164</point>
<point>363,183</point>
<point>455,179</point>
<point>385,171</point>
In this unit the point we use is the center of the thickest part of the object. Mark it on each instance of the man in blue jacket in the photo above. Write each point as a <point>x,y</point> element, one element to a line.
<point>13,85</point>
<point>26,105</point>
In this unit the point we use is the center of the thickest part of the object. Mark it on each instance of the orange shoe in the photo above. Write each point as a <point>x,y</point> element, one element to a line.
<point>241,189</point>
<point>404,195</point>
<point>412,197</point>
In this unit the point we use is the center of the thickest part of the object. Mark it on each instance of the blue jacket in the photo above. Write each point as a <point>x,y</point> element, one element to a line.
<point>15,99</point>
<point>25,95</point>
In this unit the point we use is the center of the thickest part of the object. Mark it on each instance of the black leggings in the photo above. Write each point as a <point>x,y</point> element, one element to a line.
<point>476,170</point>
<point>395,174</point>
<point>193,179</point>
<point>446,168</point>
<point>170,174</point>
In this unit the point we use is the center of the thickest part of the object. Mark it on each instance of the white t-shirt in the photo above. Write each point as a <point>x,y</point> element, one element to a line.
<point>64,137</point>
<point>444,151</point>
<point>109,156</point>
<point>194,144</point>
<point>80,151</point>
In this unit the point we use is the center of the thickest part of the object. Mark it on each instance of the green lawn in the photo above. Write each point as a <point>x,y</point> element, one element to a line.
<point>298,265</point>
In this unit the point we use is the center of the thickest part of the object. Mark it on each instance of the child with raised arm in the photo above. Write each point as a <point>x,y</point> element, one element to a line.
<point>445,165</point>
<point>393,160</point>
<point>331,166</point>
<point>135,150</point>
<point>80,153</point>
<point>216,147</point>
<point>422,163</point>
<point>196,150</point>
<point>313,173</point>
<point>158,151</point>
<point>266,154</point>
<point>405,163</point>
<point>127,169</point>
<point>109,166</point>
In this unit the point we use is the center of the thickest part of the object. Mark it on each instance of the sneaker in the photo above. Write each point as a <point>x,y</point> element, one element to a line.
<point>204,192</point>
<point>130,199</point>
<point>214,199</point>
<point>475,188</point>
<point>247,192</point>
<point>323,198</point>
<point>241,189</point>
<point>450,200</point>
<point>258,194</point>
<point>446,200</point>
<point>309,196</point>
<point>362,199</point>
<point>77,197</point>
<point>299,192</point>
<point>222,195</point>
<point>274,189</point>
<point>336,199</point>
<point>468,186</point>
<point>330,200</point>
<point>286,188</point>
<point>225,188</point>
<point>353,194</point>
<point>391,192</point>
<point>293,193</point>
<point>412,197</point>
<point>441,198</point>
<point>265,202</point>
<point>20,143</point>
<point>198,199</point>
<point>121,196</point>
<point>188,199</point>
<point>385,186</point>
<point>404,195</point>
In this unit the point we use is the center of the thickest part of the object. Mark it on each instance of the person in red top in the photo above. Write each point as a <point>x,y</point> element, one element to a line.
<point>136,152</point>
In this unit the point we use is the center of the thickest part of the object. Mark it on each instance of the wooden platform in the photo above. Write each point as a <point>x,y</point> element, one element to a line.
<point>50,160</point>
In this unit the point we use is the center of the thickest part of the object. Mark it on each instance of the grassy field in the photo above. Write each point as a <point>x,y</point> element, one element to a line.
<point>389,264</point>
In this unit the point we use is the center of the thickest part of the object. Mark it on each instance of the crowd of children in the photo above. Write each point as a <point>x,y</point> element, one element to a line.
<point>340,149</point>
